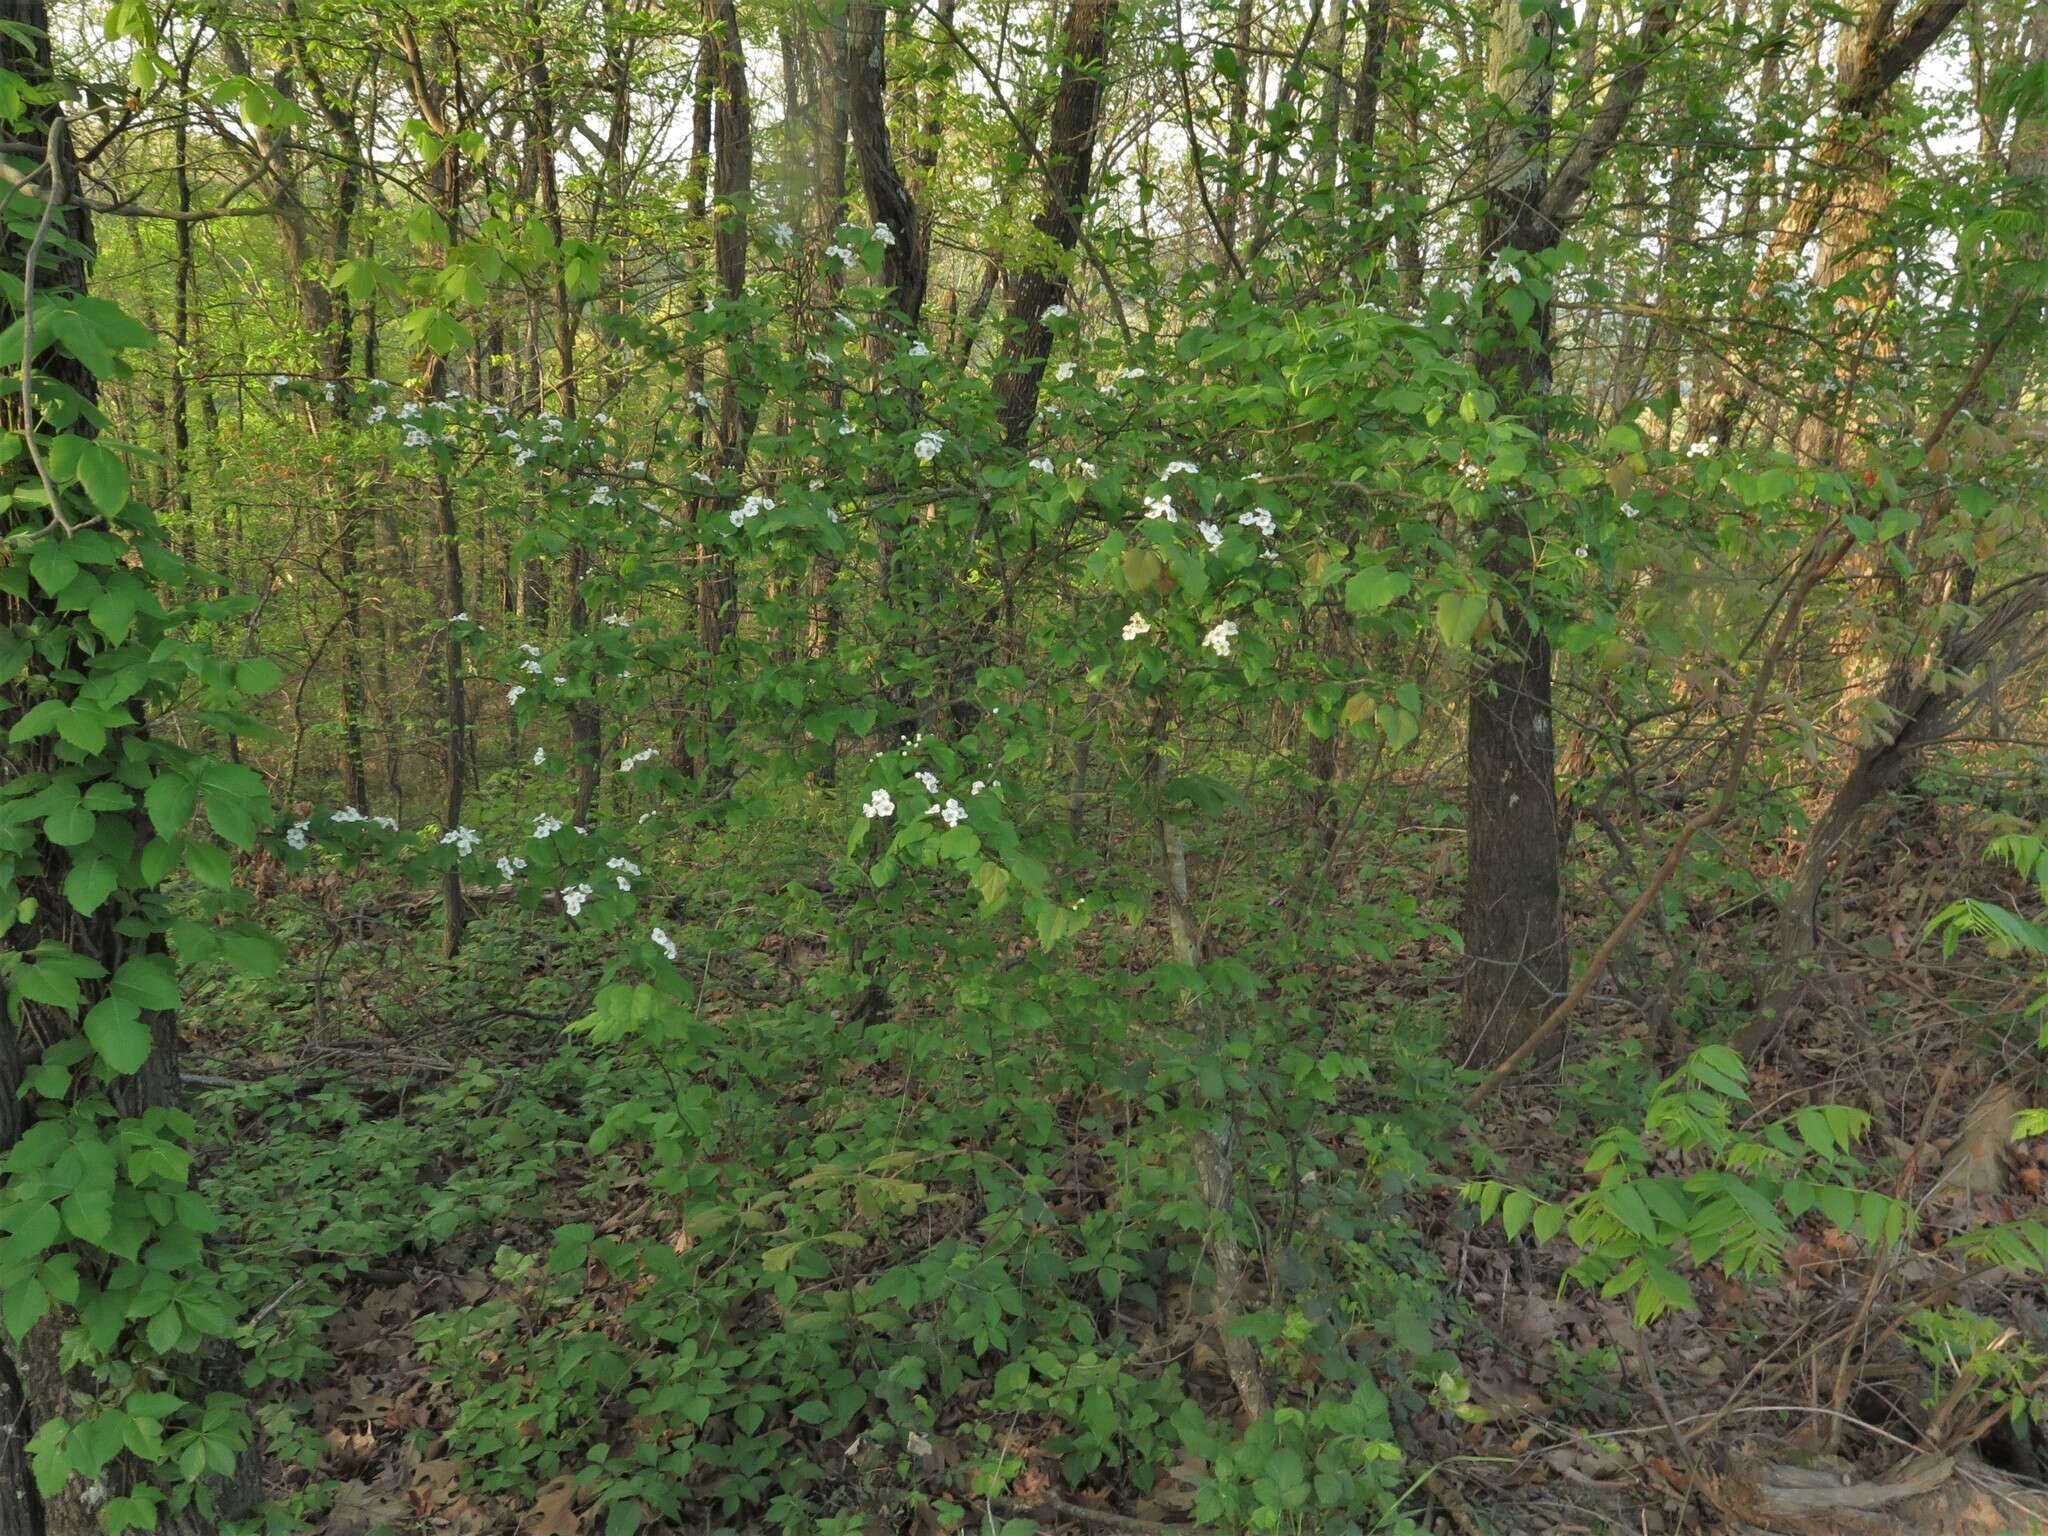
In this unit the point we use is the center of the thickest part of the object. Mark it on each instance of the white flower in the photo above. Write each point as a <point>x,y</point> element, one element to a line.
<point>1160,507</point>
<point>1504,270</point>
<point>460,618</point>
<point>1211,535</point>
<point>1582,552</point>
<point>279,381</point>
<point>977,787</point>
<point>415,438</point>
<point>464,839</point>
<point>919,349</point>
<point>1218,639</point>
<point>1087,470</point>
<point>508,867</point>
<point>846,429</point>
<point>1055,311</point>
<point>700,400</point>
<point>1258,518</point>
<point>928,446</point>
<point>295,834</point>
<point>752,507</point>
<point>574,897</point>
<point>644,755</point>
<point>617,621</point>
<point>840,254</point>
<point>885,234</point>
<point>879,804</point>
<point>928,779</point>
<point>524,457</point>
<point>783,235</point>
<point>1132,373</point>
<point>952,813</point>
<point>663,943</point>
<point>345,814</point>
<point>1631,511</point>
<point>1700,450</point>
<point>1062,373</point>
<point>540,757</point>
<point>1137,624</point>
<point>1180,467</point>
<point>561,681</point>
<point>1472,472</point>
<point>388,823</point>
<point>377,413</point>
<point>545,825</point>
<point>601,496</point>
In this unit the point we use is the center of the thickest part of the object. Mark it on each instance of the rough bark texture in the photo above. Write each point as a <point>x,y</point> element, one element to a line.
<point>1514,916</point>
<point>1069,160</point>
<point>906,263</point>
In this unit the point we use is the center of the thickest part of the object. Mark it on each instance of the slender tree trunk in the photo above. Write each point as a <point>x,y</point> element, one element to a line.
<point>1514,916</point>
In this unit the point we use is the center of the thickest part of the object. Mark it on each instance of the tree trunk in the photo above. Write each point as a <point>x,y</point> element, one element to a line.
<point>1515,953</point>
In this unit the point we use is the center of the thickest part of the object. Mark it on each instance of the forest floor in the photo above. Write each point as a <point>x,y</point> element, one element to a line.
<point>399,1145</point>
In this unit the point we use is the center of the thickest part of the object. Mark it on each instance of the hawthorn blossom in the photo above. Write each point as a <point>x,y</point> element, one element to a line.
<point>1211,535</point>
<point>1503,270</point>
<point>1136,625</point>
<point>1062,373</point>
<point>1631,511</point>
<point>1180,467</point>
<point>465,840</point>
<point>1055,311</point>
<point>952,813</point>
<point>573,898</point>
<point>782,235</point>
<point>415,438</point>
<point>752,507</point>
<point>545,825</point>
<point>346,814</point>
<point>1258,518</point>
<point>508,867</point>
<point>879,804</point>
<point>1218,639</point>
<point>918,349</point>
<point>928,779</point>
<point>885,234</point>
<point>514,693</point>
<point>1700,450</point>
<point>376,414</point>
<point>663,943</point>
<point>1042,465</point>
<point>928,446</point>
<point>295,835</point>
<point>601,496</point>
<point>644,755</point>
<point>1160,507</point>
<point>540,757</point>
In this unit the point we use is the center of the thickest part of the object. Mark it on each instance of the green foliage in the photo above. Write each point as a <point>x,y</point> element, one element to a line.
<point>1693,1187</point>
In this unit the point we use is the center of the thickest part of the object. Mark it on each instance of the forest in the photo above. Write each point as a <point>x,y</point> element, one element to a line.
<point>1005,766</point>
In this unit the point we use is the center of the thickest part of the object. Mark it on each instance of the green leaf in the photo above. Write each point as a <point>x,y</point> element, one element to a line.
<point>170,801</point>
<point>53,568</point>
<point>209,863</point>
<point>105,479</point>
<point>89,884</point>
<point>116,1029</point>
<point>70,827</point>
<point>1373,588</point>
<point>1458,616</point>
